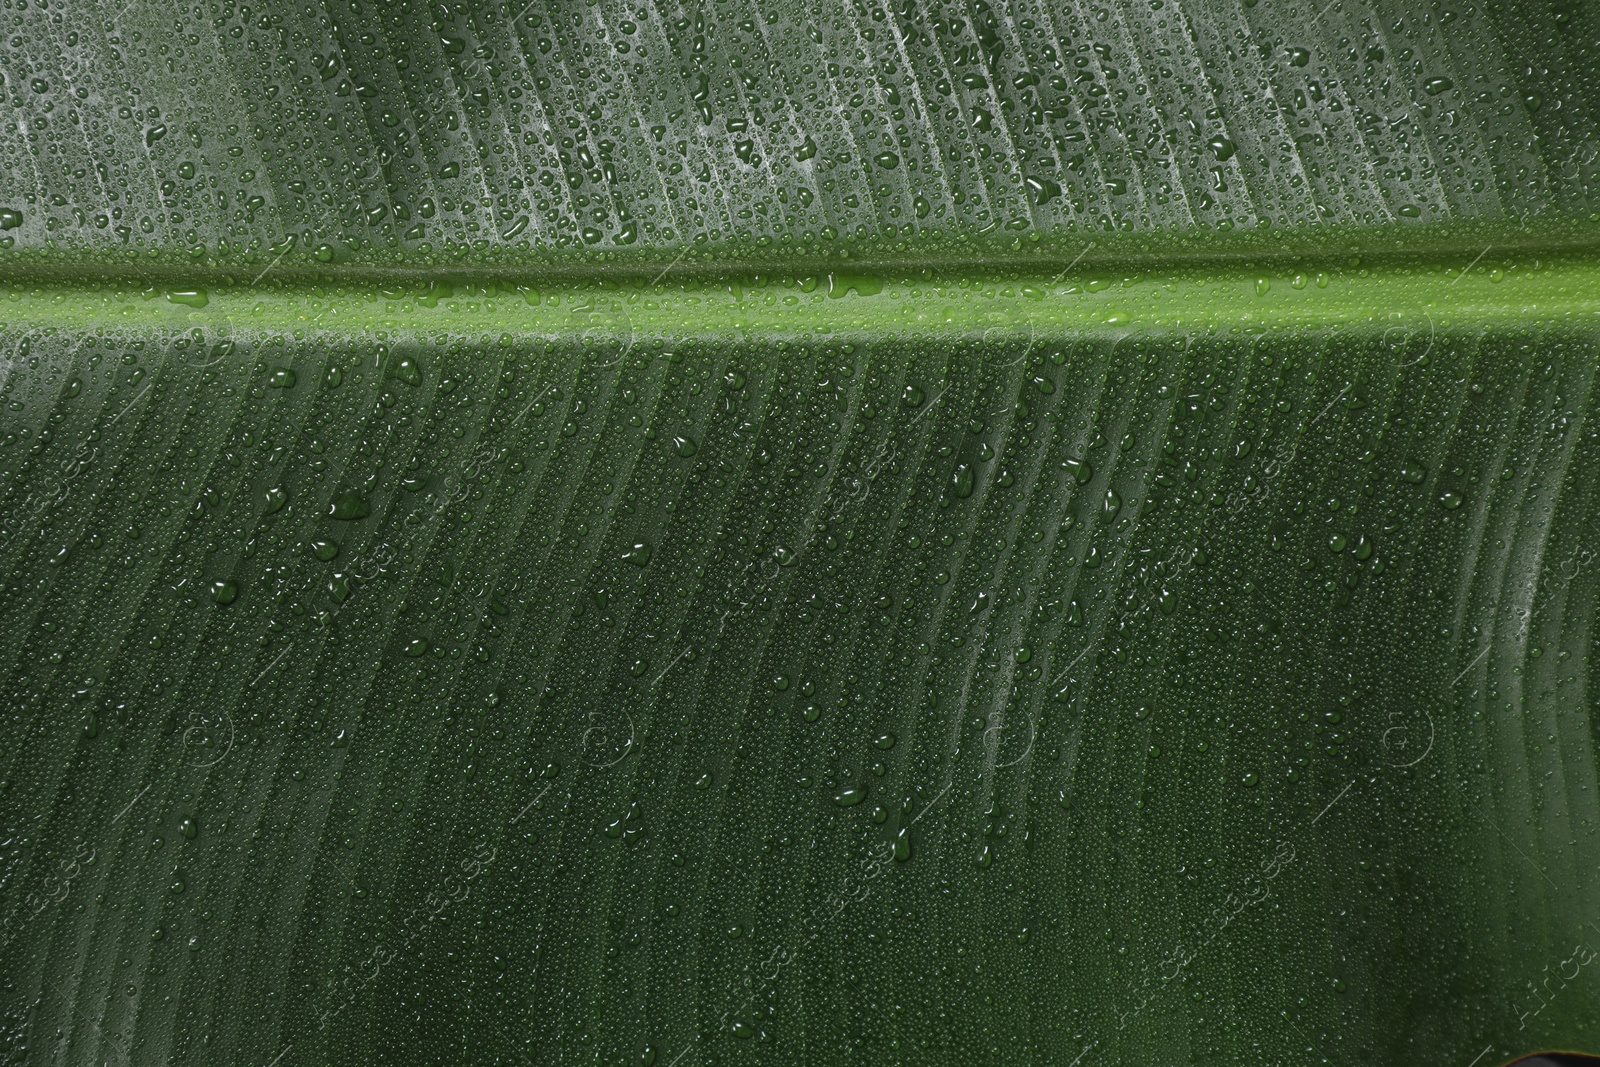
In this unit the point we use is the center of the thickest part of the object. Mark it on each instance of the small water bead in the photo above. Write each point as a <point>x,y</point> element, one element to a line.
<point>349,506</point>
<point>408,371</point>
<point>961,481</point>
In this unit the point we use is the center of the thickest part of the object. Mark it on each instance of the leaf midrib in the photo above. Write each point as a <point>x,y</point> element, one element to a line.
<point>1430,296</point>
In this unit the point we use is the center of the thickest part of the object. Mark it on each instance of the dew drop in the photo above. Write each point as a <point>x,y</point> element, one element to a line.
<point>349,506</point>
<point>961,480</point>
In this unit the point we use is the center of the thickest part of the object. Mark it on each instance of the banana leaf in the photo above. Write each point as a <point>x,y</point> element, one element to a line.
<point>898,532</point>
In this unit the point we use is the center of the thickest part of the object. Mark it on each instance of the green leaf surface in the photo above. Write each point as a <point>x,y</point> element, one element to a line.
<point>895,533</point>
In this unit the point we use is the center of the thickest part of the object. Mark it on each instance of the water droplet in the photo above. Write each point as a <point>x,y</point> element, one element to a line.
<point>408,371</point>
<point>282,378</point>
<point>849,798</point>
<point>961,480</point>
<point>684,446</point>
<point>638,555</point>
<point>349,506</point>
<point>225,592</point>
<point>276,498</point>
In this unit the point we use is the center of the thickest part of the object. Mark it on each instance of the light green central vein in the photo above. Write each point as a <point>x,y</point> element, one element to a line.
<point>995,308</point>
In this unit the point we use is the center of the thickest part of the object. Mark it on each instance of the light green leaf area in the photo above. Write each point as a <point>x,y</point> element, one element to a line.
<point>901,533</point>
